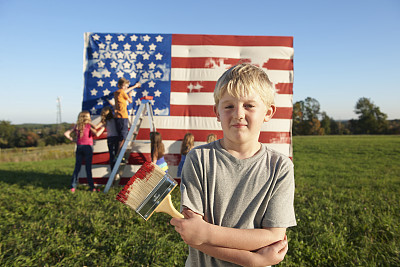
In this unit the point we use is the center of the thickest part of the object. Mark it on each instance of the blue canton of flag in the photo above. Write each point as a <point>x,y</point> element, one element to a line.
<point>144,58</point>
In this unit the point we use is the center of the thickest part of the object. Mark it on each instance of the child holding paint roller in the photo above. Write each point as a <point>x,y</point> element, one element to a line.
<point>236,193</point>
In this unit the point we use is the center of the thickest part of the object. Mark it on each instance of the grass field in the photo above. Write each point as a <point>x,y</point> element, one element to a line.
<point>347,206</point>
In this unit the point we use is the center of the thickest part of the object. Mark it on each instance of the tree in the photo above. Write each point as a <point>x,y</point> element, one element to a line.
<point>370,119</point>
<point>6,134</point>
<point>298,117</point>
<point>326,123</point>
<point>306,117</point>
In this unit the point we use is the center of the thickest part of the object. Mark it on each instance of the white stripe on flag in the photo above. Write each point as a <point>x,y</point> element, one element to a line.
<point>224,51</point>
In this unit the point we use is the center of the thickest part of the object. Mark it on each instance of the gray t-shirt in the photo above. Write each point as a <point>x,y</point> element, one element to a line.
<point>247,193</point>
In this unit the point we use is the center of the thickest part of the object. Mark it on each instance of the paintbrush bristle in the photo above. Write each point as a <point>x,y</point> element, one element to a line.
<point>140,185</point>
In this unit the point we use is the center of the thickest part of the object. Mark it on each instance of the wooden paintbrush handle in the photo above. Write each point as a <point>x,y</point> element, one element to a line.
<point>166,206</point>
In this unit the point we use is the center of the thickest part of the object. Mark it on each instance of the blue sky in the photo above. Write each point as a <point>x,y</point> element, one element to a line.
<point>344,50</point>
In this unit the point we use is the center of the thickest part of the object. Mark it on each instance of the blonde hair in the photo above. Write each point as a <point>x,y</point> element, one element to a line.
<point>242,80</point>
<point>187,143</point>
<point>106,114</point>
<point>82,121</point>
<point>122,81</point>
<point>211,138</point>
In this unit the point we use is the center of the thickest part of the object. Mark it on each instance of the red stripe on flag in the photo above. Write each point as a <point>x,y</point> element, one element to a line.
<point>284,88</point>
<point>193,86</point>
<point>192,111</point>
<point>231,40</point>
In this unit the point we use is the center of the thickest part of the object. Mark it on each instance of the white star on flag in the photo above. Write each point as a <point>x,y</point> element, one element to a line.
<point>139,65</point>
<point>145,93</point>
<point>108,37</point>
<point>159,56</point>
<point>106,73</point>
<point>139,46</point>
<point>93,91</point>
<point>146,38</point>
<point>114,46</point>
<point>121,38</point>
<point>120,74</point>
<point>100,83</point>
<point>127,46</point>
<point>151,84</point>
<point>106,92</point>
<point>96,37</point>
<point>157,111</point>
<point>134,38</point>
<point>146,56</point>
<point>113,65</point>
<point>99,102</point>
<point>113,83</point>
<point>120,55</point>
<point>152,47</point>
<point>157,74</point>
<point>145,75</point>
<point>95,73</point>
<point>101,64</point>
<point>127,65</point>
<point>159,38</point>
<point>157,93</point>
<point>95,54</point>
<point>102,46</point>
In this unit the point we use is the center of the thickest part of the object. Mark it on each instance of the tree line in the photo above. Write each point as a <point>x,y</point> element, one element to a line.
<point>32,135</point>
<point>308,119</point>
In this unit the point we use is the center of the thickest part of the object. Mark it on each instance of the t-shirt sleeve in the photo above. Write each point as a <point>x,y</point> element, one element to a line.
<point>280,211</point>
<point>192,195</point>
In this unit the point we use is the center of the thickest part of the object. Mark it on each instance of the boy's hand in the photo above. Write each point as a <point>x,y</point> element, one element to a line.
<point>193,229</point>
<point>274,253</point>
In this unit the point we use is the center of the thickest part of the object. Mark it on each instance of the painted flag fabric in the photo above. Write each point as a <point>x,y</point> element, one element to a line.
<point>180,72</point>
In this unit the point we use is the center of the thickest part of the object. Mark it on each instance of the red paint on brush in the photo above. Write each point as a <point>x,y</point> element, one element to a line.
<point>143,173</point>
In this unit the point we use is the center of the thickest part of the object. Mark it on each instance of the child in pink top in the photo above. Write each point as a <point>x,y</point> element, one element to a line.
<point>84,148</point>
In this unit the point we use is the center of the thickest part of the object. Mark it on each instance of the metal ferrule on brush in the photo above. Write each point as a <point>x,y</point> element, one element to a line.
<point>153,199</point>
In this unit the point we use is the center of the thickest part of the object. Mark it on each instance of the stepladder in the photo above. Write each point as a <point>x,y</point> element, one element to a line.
<point>145,107</point>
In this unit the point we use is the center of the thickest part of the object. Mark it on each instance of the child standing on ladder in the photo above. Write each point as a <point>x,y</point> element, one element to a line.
<point>158,151</point>
<point>121,96</point>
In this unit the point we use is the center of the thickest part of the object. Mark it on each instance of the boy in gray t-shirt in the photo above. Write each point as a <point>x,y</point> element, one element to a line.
<point>237,194</point>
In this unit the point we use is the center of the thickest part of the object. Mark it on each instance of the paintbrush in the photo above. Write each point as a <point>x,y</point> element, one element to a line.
<point>149,190</point>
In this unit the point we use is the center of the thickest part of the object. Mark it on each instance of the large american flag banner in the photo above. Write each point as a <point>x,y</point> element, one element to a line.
<point>180,72</point>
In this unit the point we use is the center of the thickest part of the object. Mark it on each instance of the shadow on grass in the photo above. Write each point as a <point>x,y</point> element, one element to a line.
<point>38,179</point>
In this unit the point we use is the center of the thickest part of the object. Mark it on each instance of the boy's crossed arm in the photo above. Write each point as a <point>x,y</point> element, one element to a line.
<point>240,246</point>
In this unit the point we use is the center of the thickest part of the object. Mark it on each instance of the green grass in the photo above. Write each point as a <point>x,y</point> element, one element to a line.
<point>347,207</point>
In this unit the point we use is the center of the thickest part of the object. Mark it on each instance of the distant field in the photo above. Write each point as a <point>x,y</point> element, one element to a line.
<point>36,153</point>
<point>347,206</point>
